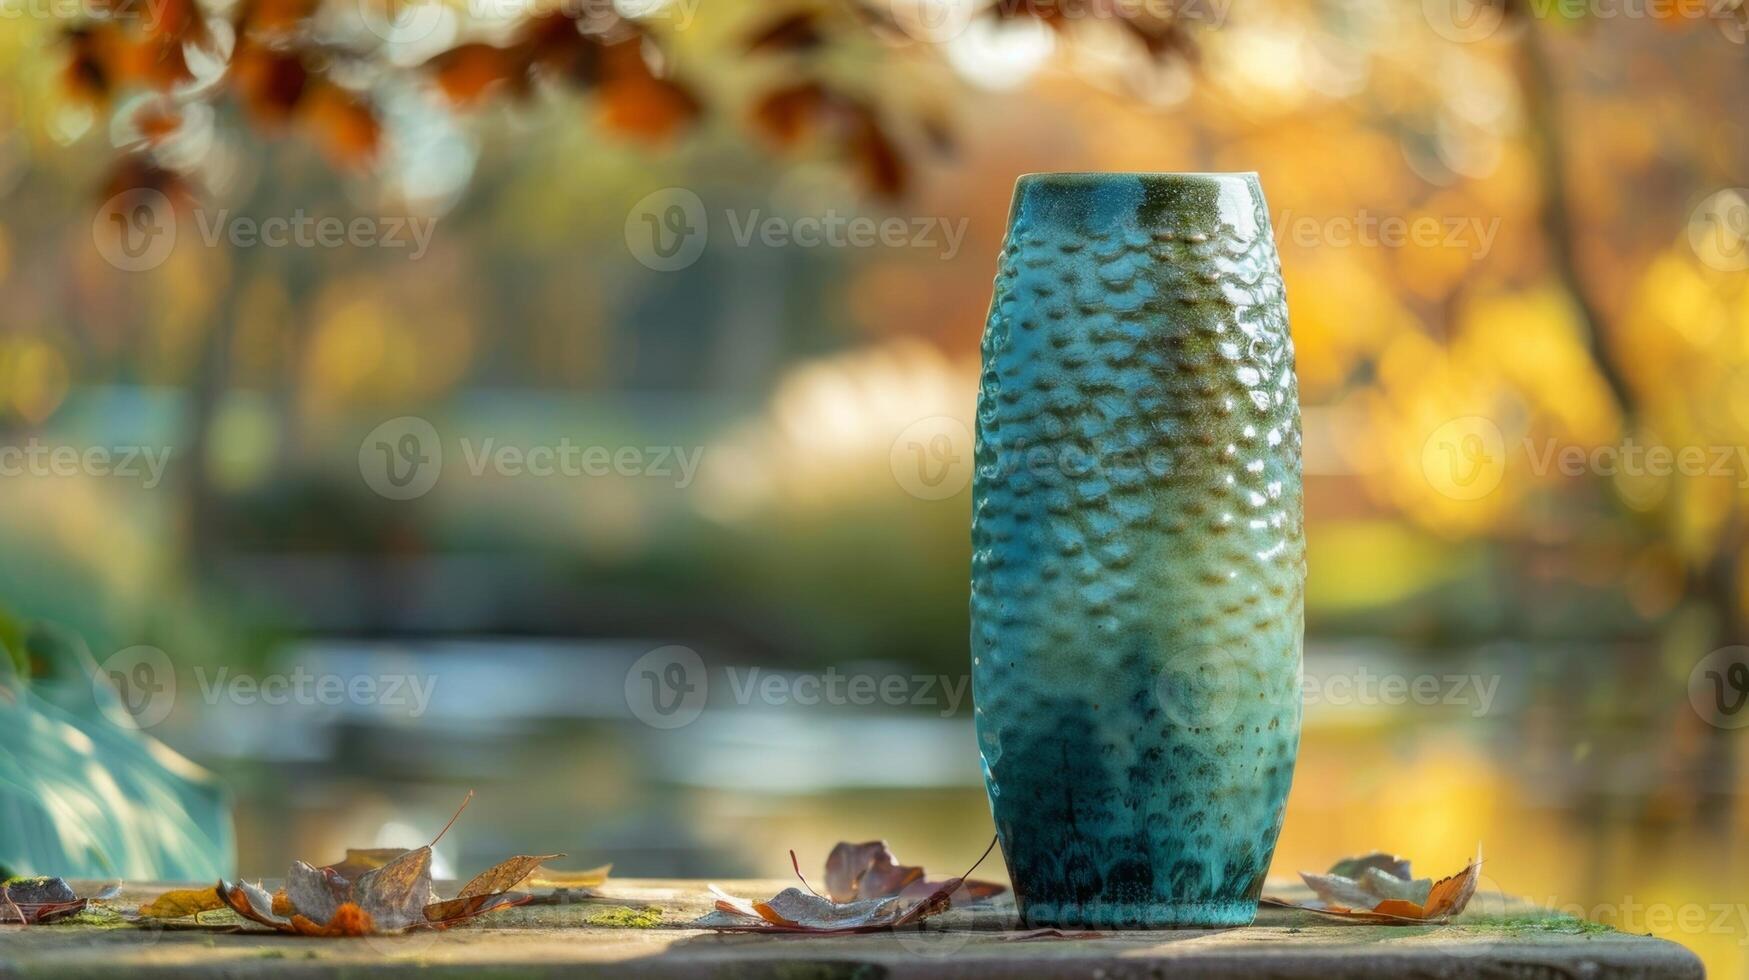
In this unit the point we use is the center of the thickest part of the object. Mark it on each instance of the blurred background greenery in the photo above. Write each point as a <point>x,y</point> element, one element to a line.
<point>1514,237</point>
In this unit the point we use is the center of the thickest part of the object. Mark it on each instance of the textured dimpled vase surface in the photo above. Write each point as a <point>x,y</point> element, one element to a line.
<point>1138,561</point>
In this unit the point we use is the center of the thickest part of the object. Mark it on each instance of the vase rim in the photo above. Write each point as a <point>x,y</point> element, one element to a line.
<point>1165,175</point>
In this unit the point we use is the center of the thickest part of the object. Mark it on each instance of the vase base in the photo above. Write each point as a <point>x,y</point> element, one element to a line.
<point>1210,914</point>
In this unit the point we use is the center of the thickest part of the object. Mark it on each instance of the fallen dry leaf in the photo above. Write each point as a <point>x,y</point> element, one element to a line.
<point>544,877</point>
<point>348,920</point>
<point>315,893</point>
<point>182,902</point>
<point>505,875</point>
<point>379,890</point>
<point>1378,888</point>
<point>34,901</point>
<point>359,860</point>
<point>488,890</point>
<point>868,870</point>
<point>395,895</point>
<point>793,908</point>
<point>252,902</point>
<point>1038,935</point>
<point>907,897</point>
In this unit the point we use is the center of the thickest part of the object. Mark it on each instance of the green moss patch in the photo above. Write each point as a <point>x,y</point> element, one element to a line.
<point>626,917</point>
<point>1552,924</point>
<point>98,916</point>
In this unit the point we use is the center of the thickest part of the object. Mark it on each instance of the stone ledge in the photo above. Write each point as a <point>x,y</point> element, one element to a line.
<point>556,940</point>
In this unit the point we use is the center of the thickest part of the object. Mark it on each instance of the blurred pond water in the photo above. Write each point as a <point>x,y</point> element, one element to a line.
<point>1571,789</point>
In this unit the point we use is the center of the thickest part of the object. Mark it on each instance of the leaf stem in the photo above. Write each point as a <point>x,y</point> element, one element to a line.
<point>458,812</point>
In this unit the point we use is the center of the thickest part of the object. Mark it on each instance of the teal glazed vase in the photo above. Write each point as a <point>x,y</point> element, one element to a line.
<point>1138,561</point>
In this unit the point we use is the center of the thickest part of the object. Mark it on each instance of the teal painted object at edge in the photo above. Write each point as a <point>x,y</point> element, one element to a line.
<point>1138,560</point>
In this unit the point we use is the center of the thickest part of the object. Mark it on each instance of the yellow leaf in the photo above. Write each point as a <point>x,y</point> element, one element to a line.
<point>549,878</point>
<point>182,902</point>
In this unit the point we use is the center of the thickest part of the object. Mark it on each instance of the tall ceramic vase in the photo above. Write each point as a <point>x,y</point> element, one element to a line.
<point>1138,563</point>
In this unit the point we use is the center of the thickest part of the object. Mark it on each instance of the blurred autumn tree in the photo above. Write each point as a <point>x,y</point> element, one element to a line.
<point>314,65</point>
<point>170,73</point>
<point>1583,322</point>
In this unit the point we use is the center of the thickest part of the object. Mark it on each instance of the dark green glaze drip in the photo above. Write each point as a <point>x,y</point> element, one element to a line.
<point>1138,560</point>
